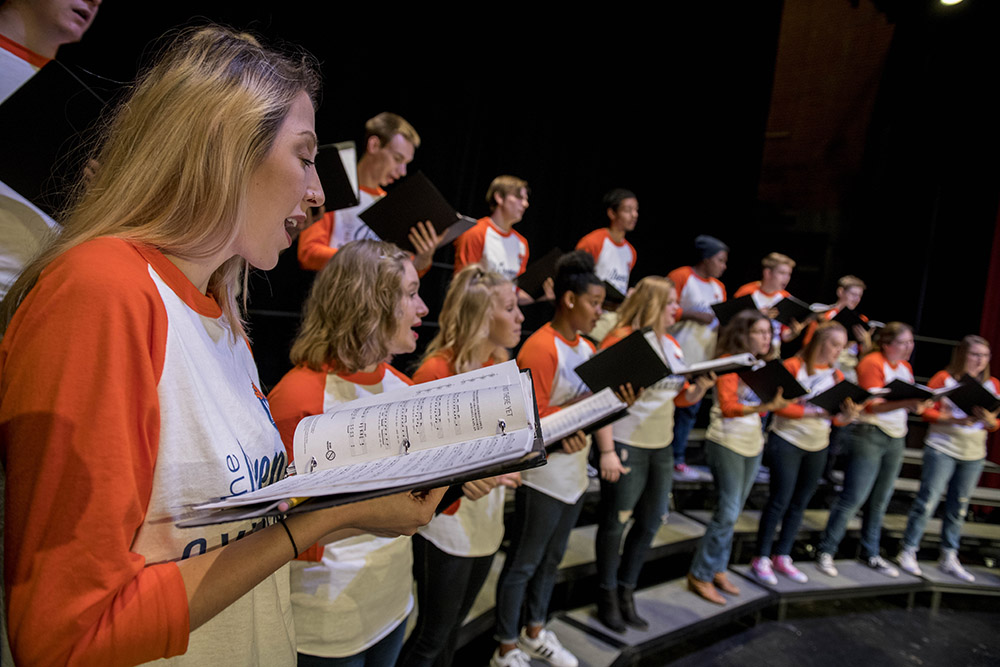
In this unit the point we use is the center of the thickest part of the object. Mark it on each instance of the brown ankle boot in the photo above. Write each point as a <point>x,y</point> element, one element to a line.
<point>704,589</point>
<point>722,582</point>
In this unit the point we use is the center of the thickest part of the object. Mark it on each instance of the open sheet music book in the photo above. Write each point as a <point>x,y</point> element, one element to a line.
<point>450,431</point>
<point>587,415</point>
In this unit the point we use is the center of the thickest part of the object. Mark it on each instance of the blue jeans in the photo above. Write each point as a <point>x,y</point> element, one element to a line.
<point>540,532</point>
<point>447,586</point>
<point>733,476</point>
<point>384,652</point>
<point>875,461</point>
<point>684,419</point>
<point>940,471</point>
<point>642,494</point>
<point>795,474</point>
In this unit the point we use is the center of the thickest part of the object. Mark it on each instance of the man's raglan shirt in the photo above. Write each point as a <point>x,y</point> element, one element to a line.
<point>613,261</point>
<point>500,251</point>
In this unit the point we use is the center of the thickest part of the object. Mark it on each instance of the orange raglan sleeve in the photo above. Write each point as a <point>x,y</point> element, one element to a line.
<point>314,243</point>
<point>469,246</point>
<point>297,395</point>
<point>79,435</point>
<point>539,354</point>
<point>743,290</point>
<point>591,244</point>
<point>433,368</point>
<point>679,278</point>
<point>870,373</point>
<point>727,389</point>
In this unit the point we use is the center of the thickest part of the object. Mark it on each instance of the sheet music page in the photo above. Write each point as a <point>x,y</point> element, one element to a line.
<point>734,361</point>
<point>574,417</point>
<point>464,407</point>
<point>411,470</point>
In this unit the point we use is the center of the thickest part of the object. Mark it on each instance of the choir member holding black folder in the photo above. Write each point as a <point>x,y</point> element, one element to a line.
<point>637,474</point>
<point>798,444</point>
<point>954,451</point>
<point>550,499</point>
<point>734,444</point>
<point>875,442</point>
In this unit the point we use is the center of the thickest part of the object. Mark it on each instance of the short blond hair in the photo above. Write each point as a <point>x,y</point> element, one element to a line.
<point>465,317</point>
<point>847,282</point>
<point>386,125</point>
<point>775,259</point>
<point>353,309</point>
<point>503,186</point>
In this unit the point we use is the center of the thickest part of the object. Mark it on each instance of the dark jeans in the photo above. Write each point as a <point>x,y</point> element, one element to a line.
<point>876,459</point>
<point>733,476</point>
<point>795,473</point>
<point>684,419</point>
<point>446,588</point>
<point>381,654</point>
<point>539,535</point>
<point>643,494</point>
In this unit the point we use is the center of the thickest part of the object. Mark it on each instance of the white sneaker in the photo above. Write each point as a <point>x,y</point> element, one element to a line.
<point>907,560</point>
<point>784,565</point>
<point>514,658</point>
<point>882,566</point>
<point>949,565</point>
<point>824,563</point>
<point>546,647</point>
<point>761,567</point>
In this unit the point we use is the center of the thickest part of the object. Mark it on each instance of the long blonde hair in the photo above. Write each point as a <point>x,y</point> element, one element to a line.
<point>177,157</point>
<point>645,305</point>
<point>352,311</point>
<point>465,318</point>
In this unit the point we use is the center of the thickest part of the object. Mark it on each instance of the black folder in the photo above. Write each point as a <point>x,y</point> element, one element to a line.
<point>850,318</point>
<point>415,199</point>
<point>727,310</point>
<point>833,398</point>
<point>538,272</point>
<point>791,308</point>
<point>765,381</point>
<point>337,167</point>
<point>970,394</point>
<point>631,359</point>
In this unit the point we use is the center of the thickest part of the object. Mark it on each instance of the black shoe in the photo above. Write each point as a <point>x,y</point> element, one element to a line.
<point>607,610</point>
<point>626,605</point>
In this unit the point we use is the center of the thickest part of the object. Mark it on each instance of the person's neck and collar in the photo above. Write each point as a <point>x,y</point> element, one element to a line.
<point>41,26</point>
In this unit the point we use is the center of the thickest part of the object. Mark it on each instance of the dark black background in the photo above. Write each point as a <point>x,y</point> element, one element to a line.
<point>670,101</point>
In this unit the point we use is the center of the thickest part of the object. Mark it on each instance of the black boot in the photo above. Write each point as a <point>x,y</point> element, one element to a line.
<point>607,610</point>
<point>626,606</point>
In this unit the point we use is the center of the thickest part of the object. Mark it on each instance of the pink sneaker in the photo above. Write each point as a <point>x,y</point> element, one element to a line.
<point>761,567</point>
<point>783,565</point>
